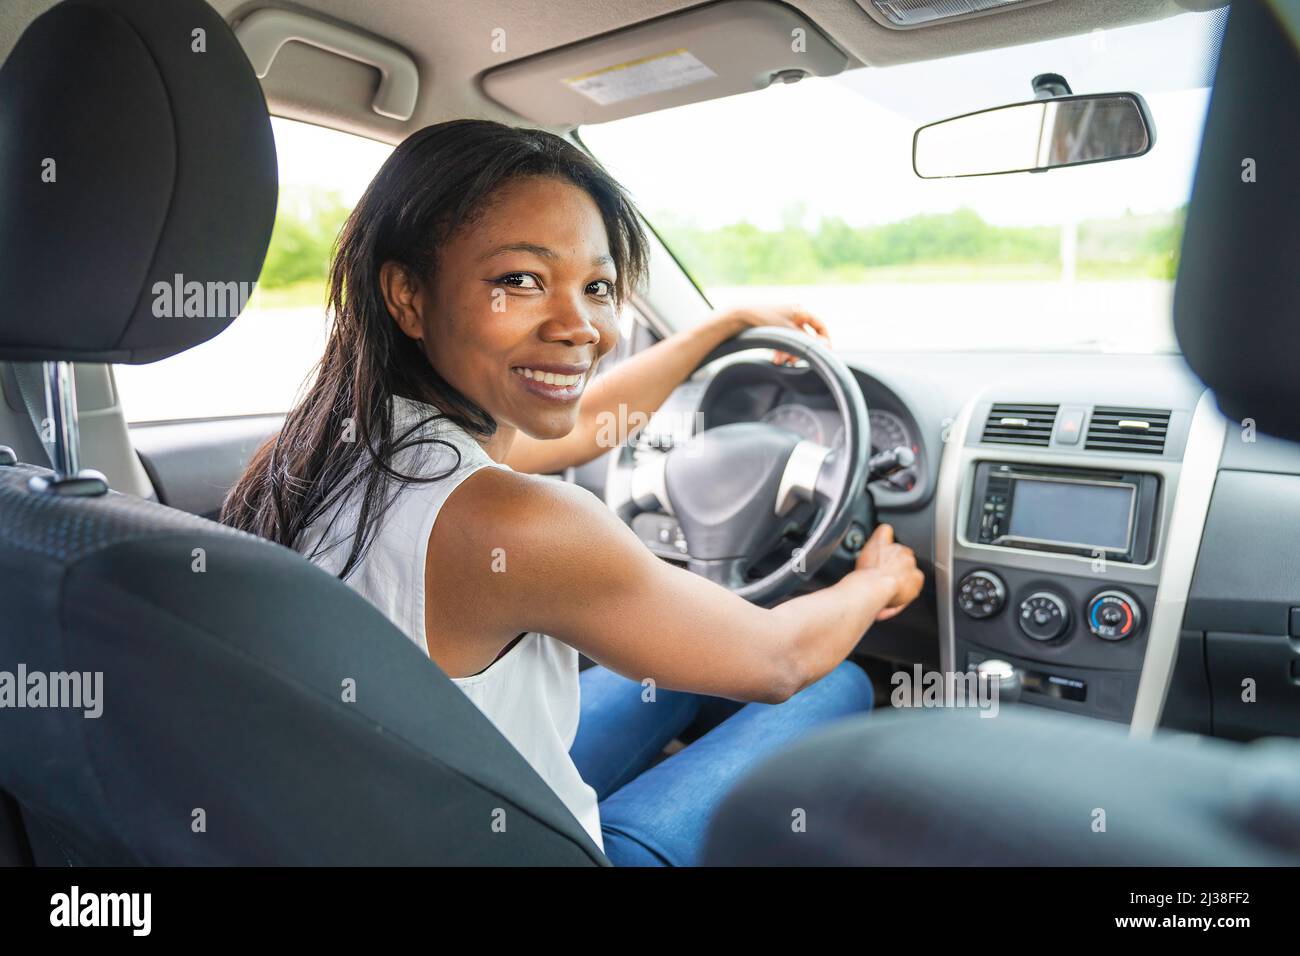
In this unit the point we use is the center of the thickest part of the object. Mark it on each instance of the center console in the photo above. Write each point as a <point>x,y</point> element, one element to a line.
<point>1067,527</point>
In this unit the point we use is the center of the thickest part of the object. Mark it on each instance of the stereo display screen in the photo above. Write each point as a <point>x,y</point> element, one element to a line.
<point>1073,513</point>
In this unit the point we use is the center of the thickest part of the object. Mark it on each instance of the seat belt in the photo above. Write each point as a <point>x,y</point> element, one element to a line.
<point>30,377</point>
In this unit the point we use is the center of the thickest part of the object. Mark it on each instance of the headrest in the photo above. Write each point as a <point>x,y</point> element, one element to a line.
<point>1237,297</point>
<point>137,181</point>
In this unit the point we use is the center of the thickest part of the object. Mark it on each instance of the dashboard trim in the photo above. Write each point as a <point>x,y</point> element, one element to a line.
<point>947,490</point>
<point>1200,470</point>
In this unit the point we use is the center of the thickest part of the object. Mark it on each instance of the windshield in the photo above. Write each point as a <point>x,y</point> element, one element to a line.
<point>805,193</point>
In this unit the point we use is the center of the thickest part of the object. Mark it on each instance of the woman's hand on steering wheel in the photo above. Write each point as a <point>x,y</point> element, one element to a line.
<point>782,316</point>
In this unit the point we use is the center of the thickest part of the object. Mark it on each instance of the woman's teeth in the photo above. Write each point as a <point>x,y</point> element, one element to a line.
<point>549,378</point>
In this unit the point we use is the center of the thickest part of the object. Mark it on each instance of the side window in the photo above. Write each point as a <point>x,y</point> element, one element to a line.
<point>259,364</point>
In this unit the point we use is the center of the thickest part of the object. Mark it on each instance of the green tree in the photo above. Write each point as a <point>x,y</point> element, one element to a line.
<point>307,223</point>
<point>742,254</point>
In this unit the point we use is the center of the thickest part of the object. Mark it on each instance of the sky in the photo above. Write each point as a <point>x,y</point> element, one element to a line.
<point>325,158</point>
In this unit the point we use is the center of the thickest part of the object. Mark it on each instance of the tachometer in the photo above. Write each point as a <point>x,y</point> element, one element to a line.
<point>888,431</point>
<point>797,419</point>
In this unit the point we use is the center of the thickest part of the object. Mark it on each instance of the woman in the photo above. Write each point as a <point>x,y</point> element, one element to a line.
<point>474,291</point>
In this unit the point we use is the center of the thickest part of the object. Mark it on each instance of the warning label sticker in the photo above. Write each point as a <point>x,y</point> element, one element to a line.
<point>651,74</point>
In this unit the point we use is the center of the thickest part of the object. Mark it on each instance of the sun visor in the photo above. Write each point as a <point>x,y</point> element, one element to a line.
<point>731,47</point>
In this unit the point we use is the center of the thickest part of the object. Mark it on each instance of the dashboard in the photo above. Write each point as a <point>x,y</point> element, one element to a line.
<point>1066,509</point>
<point>823,426</point>
<point>794,399</point>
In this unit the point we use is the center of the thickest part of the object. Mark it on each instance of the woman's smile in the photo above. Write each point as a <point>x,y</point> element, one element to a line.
<point>557,383</point>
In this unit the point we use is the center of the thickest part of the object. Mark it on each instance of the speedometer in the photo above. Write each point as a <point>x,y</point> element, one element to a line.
<point>797,419</point>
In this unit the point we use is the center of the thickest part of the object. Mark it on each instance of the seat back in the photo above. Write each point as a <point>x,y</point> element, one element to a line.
<point>15,847</point>
<point>1238,288</point>
<point>173,691</point>
<point>193,694</point>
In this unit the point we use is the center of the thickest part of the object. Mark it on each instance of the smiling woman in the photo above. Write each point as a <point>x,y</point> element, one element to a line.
<point>485,336</point>
<point>407,324</point>
<point>475,290</point>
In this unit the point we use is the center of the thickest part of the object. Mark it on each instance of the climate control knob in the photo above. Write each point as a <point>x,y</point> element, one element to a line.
<point>981,594</point>
<point>1114,615</point>
<point>1044,616</point>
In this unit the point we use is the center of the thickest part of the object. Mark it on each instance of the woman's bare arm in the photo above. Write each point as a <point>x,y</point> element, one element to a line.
<point>511,553</point>
<point>617,404</point>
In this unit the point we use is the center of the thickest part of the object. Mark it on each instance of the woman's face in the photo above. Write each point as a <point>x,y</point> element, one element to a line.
<point>521,307</point>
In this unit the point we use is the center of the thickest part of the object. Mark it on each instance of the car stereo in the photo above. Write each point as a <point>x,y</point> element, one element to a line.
<point>1079,511</point>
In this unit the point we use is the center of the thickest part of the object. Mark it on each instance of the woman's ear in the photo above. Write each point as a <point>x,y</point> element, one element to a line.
<point>402,296</point>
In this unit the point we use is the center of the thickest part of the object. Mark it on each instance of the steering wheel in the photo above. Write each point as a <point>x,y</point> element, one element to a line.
<point>732,488</point>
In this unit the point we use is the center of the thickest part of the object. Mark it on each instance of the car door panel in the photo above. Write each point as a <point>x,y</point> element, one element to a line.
<point>193,464</point>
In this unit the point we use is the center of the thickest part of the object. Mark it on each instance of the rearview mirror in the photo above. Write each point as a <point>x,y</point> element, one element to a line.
<point>1035,136</point>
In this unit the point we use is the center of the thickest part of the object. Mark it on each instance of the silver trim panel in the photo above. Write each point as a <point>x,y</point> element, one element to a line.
<point>649,487</point>
<point>1186,526</point>
<point>799,479</point>
<point>952,464</point>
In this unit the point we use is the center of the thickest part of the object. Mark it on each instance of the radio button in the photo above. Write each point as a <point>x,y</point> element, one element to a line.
<point>1044,616</point>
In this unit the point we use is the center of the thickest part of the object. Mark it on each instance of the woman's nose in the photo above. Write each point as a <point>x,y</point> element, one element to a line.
<point>572,325</point>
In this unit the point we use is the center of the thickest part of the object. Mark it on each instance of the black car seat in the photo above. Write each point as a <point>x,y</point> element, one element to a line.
<point>251,708</point>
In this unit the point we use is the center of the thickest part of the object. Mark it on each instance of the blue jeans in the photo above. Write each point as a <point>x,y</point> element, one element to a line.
<point>659,816</point>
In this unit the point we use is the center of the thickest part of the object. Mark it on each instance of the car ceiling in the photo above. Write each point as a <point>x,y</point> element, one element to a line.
<point>451,43</point>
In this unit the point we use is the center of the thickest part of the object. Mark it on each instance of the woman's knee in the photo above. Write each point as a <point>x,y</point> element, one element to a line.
<point>625,850</point>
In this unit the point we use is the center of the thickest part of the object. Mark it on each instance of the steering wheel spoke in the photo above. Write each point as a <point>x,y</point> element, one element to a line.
<point>802,479</point>
<point>648,489</point>
<point>729,572</point>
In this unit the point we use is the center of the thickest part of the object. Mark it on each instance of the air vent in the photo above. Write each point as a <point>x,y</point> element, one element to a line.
<point>1114,428</point>
<point>1019,424</point>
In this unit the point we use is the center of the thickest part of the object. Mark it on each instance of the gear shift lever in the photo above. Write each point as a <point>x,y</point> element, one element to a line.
<point>1004,675</point>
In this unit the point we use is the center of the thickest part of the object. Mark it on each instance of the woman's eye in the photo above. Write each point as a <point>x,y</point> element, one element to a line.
<point>519,280</point>
<point>601,287</point>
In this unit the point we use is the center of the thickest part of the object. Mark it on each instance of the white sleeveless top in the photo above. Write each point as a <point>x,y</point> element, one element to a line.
<point>531,693</point>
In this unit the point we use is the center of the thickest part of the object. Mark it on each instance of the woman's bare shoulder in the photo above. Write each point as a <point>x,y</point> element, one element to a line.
<point>543,529</point>
<point>502,506</point>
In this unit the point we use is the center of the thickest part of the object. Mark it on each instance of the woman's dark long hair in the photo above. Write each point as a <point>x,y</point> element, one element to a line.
<point>340,436</point>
